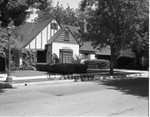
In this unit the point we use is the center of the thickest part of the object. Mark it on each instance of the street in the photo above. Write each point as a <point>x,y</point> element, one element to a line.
<point>128,98</point>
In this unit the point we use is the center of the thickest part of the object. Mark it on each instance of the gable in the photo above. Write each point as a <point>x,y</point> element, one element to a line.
<point>59,37</point>
<point>66,37</point>
<point>37,34</point>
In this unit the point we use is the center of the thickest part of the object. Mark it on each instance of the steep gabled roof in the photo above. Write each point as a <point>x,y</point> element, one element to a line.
<point>87,46</point>
<point>74,30</point>
<point>56,35</point>
<point>31,30</point>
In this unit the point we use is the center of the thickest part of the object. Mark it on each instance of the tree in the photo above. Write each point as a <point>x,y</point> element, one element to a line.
<point>16,11</point>
<point>66,16</point>
<point>111,22</point>
<point>140,40</point>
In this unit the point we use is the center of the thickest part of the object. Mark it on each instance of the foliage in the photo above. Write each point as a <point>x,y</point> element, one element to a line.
<point>140,41</point>
<point>29,59</point>
<point>2,64</point>
<point>77,59</point>
<point>16,11</point>
<point>55,58</point>
<point>80,68</point>
<point>126,62</point>
<point>112,22</point>
<point>97,64</point>
<point>66,16</point>
<point>41,66</point>
<point>4,46</point>
<point>62,68</point>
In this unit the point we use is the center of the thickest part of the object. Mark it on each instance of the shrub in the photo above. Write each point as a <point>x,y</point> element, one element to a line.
<point>77,59</point>
<point>29,59</point>
<point>41,66</point>
<point>55,58</point>
<point>97,64</point>
<point>62,68</point>
<point>80,68</point>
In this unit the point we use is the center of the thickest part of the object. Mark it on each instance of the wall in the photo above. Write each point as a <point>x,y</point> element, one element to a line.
<point>41,39</point>
<point>49,53</point>
<point>56,46</point>
<point>92,56</point>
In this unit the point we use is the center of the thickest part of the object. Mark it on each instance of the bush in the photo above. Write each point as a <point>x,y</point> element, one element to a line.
<point>41,66</point>
<point>80,68</point>
<point>29,59</point>
<point>62,68</point>
<point>55,58</point>
<point>97,64</point>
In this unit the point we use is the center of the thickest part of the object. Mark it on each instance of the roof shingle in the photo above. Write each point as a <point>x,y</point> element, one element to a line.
<point>31,30</point>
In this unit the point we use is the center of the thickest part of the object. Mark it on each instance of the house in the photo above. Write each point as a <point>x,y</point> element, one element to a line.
<point>48,37</point>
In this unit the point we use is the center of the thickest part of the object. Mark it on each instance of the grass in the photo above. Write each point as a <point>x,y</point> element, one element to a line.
<point>4,85</point>
<point>24,73</point>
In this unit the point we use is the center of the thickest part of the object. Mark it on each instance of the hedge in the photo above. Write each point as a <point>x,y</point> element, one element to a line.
<point>97,64</point>
<point>41,66</point>
<point>62,68</point>
<point>80,68</point>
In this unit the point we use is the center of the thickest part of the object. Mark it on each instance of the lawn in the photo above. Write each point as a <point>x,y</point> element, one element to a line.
<point>24,73</point>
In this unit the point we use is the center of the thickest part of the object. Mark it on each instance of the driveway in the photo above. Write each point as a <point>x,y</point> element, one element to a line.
<point>101,98</point>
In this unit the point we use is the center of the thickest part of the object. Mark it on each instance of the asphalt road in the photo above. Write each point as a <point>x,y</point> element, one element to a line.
<point>109,98</point>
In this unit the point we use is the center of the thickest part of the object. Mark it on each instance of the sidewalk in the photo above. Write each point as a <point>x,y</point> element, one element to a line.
<point>25,78</point>
<point>34,80</point>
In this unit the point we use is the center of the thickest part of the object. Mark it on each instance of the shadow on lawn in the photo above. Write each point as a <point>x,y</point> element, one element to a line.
<point>4,86</point>
<point>138,86</point>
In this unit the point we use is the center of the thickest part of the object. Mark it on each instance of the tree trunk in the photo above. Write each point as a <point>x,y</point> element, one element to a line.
<point>112,60</point>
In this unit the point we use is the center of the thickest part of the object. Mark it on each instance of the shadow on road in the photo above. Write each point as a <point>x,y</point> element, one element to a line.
<point>138,86</point>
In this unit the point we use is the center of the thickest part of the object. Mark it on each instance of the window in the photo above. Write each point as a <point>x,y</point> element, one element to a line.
<point>54,26</point>
<point>86,56</point>
<point>66,36</point>
<point>66,56</point>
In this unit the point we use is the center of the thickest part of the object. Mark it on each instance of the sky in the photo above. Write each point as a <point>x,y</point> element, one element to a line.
<point>72,3</point>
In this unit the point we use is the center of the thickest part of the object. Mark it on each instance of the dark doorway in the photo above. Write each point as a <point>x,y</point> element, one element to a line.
<point>41,56</point>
